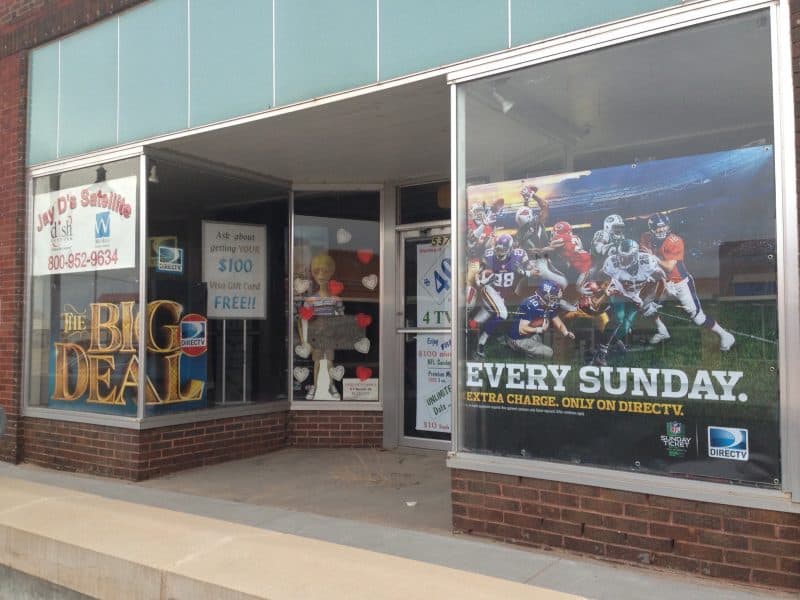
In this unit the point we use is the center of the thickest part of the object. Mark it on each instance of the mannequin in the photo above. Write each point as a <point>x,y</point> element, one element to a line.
<point>324,305</point>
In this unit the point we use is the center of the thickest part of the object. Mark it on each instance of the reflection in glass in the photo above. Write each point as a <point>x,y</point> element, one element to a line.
<point>619,301</point>
<point>84,290</point>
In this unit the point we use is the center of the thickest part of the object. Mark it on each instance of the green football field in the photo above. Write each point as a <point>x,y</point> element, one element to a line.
<point>755,353</point>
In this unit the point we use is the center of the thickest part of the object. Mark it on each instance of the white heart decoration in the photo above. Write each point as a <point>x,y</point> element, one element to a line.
<point>303,350</point>
<point>336,372</point>
<point>301,373</point>
<point>301,285</point>
<point>343,236</point>
<point>370,281</point>
<point>362,345</point>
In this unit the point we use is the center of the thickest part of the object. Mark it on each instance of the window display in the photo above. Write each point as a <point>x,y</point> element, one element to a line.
<point>216,290</point>
<point>335,285</point>
<point>619,305</point>
<point>84,342</point>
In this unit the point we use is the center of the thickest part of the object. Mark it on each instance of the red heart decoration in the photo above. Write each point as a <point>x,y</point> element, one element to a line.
<point>306,312</point>
<point>363,320</point>
<point>335,287</point>
<point>364,255</point>
<point>363,373</point>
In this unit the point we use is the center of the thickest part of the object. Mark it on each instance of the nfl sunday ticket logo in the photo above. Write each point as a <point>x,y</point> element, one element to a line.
<point>728,442</point>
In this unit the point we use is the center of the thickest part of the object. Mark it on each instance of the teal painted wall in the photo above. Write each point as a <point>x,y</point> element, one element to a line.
<point>168,65</point>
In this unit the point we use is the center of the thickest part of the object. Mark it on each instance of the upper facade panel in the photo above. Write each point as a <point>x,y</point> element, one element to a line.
<point>170,65</point>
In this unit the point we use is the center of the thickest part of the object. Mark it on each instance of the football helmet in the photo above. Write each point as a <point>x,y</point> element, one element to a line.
<point>628,253</point>
<point>478,214</point>
<point>658,224</point>
<point>614,225</point>
<point>524,216</point>
<point>562,228</point>
<point>549,293</point>
<point>503,246</point>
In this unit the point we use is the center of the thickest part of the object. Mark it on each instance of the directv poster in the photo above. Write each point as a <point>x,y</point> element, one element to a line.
<point>94,364</point>
<point>626,317</point>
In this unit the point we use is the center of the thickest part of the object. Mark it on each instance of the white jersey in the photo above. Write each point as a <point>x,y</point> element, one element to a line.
<point>630,281</point>
<point>604,244</point>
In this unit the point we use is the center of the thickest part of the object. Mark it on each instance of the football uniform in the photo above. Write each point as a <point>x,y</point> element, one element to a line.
<point>627,285</point>
<point>478,237</point>
<point>679,284</point>
<point>532,311</point>
<point>604,244</point>
<point>533,238</point>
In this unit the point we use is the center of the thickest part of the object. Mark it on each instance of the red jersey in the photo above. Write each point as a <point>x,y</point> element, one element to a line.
<point>670,248</point>
<point>573,252</point>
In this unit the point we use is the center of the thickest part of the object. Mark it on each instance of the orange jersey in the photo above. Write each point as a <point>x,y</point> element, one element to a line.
<point>671,248</point>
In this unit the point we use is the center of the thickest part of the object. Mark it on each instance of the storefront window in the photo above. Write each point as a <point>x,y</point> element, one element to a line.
<point>619,275</point>
<point>336,286</point>
<point>84,298</point>
<point>216,290</point>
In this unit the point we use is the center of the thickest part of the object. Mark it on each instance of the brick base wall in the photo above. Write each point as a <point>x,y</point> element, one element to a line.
<point>141,454</point>
<point>746,545</point>
<point>335,429</point>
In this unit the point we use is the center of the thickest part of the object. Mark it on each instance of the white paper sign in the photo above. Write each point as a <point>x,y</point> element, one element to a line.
<point>235,270</point>
<point>355,389</point>
<point>85,228</point>
<point>434,352</point>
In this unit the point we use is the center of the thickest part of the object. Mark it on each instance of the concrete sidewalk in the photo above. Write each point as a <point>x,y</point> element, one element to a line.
<point>192,544</point>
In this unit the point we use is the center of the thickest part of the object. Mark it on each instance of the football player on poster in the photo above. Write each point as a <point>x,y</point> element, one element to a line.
<point>533,237</point>
<point>668,248</point>
<point>606,240</point>
<point>630,273</point>
<point>497,280</point>
<point>534,317</point>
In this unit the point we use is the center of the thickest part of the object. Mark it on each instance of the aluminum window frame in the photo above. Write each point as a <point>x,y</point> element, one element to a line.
<point>383,387</point>
<point>786,499</point>
<point>140,421</point>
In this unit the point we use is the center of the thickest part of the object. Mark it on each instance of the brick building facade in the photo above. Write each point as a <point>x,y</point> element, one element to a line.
<point>747,545</point>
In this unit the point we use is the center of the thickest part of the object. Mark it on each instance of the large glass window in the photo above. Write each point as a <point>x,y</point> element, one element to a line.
<point>217,320</point>
<point>336,279</point>
<point>618,305</point>
<point>84,303</point>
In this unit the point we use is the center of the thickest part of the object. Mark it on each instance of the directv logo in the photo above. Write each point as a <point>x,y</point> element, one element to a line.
<point>728,442</point>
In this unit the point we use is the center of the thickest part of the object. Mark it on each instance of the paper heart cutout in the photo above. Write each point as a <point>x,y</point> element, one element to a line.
<point>336,372</point>
<point>305,312</point>
<point>335,287</point>
<point>343,236</point>
<point>363,373</point>
<point>303,350</point>
<point>301,285</point>
<point>362,345</point>
<point>364,255</point>
<point>363,320</point>
<point>370,281</point>
<point>301,373</point>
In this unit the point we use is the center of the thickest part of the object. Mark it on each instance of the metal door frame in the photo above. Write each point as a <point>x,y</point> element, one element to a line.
<point>402,234</point>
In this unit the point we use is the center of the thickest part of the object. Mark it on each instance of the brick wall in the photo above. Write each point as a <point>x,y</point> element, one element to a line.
<point>23,25</point>
<point>28,23</point>
<point>335,429</point>
<point>746,545</point>
<point>141,454</point>
<point>12,244</point>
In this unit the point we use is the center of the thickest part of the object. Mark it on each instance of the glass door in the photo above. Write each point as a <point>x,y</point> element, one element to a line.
<point>426,335</point>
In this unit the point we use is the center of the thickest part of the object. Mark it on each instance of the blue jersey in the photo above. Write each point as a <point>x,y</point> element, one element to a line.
<point>532,310</point>
<point>505,272</point>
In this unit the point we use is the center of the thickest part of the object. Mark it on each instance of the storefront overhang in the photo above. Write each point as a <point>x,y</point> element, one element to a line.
<point>395,134</point>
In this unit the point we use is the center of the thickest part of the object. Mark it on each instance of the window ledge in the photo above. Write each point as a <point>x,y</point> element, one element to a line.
<point>337,405</point>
